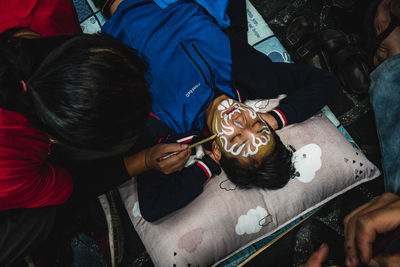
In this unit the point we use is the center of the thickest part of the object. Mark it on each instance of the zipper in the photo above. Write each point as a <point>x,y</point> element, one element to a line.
<point>208,66</point>
<point>194,61</point>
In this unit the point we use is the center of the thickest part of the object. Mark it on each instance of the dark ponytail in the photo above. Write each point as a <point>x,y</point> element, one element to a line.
<point>19,58</point>
<point>88,93</point>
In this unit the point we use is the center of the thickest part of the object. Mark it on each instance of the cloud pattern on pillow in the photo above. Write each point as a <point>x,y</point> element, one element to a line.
<point>227,185</point>
<point>253,221</point>
<point>307,161</point>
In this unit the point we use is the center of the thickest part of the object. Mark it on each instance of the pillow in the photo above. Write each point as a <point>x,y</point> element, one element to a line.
<point>224,218</point>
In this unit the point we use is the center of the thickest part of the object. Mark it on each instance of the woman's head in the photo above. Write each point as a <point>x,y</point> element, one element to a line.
<point>89,92</point>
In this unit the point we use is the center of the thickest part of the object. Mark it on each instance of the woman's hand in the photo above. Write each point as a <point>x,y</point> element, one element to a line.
<point>147,159</point>
<point>171,164</point>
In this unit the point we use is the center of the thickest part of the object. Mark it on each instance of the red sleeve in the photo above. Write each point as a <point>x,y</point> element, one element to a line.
<point>27,179</point>
<point>46,17</point>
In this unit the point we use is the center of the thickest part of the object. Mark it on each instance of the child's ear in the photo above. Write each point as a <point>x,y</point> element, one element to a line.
<point>216,151</point>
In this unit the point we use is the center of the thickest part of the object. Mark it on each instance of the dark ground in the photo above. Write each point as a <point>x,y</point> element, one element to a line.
<point>355,114</point>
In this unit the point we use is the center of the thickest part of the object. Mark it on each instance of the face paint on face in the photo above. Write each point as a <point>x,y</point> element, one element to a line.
<point>241,132</point>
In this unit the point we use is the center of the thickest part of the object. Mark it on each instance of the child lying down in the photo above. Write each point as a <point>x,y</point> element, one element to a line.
<point>246,147</point>
<point>200,70</point>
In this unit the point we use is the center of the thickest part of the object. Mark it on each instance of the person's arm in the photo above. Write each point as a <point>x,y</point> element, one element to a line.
<point>161,194</point>
<point>33,186</point>
<point>101,175</point>
<point>98,176</point>
<point>255,77</point>
<point>308,90</point>
<point>380,215</point>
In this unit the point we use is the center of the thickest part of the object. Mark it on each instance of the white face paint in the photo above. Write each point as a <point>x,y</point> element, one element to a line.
<point>240,130</point>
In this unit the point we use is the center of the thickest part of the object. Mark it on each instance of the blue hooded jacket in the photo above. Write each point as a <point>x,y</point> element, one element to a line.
<point>187,52</point>
<point>190,57</point>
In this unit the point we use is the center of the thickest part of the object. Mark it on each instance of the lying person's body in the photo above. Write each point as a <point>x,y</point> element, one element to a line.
<point>246,146</point>
<point>197,60</point>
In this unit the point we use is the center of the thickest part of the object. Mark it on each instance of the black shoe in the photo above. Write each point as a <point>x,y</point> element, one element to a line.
<point>346,59</point>
<point>115,230</point>
<point>301,41</point>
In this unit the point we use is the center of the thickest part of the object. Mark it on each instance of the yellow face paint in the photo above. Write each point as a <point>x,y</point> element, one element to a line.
<point>241,132</point>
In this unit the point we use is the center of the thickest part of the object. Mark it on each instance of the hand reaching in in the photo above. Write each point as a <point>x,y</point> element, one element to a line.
<point>318,257</point>
<point>380,215</point>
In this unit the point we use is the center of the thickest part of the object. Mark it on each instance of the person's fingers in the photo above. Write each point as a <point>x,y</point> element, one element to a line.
<point>360,230</point>
<point>380,220</point>
<point>357,210</point>
<point>350,232</point>
<point>181,158</point>
<point>351,227</point>
<point>174,147</point>
<point>385,260</point>
<point>376,203</point>
<point>318,257</point>
<point>175,162</point>
<point>365,235</point>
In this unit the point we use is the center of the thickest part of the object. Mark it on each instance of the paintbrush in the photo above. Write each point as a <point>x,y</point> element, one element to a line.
<point>190,146</point>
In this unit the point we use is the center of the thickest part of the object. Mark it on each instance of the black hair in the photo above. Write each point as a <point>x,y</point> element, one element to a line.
<point>84,91</point>
<point>19,58</point>
<point>273,172</point>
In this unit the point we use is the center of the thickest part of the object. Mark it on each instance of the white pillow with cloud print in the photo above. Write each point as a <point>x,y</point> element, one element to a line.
<point>225,219</point>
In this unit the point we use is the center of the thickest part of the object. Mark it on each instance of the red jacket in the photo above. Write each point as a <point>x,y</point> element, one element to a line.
<point>27,179</point>
<point>46,17</point>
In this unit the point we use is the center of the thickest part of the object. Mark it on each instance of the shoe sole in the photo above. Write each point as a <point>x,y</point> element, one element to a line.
<point>115,230</point>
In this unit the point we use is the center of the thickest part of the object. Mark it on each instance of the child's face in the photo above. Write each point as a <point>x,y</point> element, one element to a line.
<point>241,132</point>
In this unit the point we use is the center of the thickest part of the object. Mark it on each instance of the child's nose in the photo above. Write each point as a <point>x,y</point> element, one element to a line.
<point>240,121</point>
